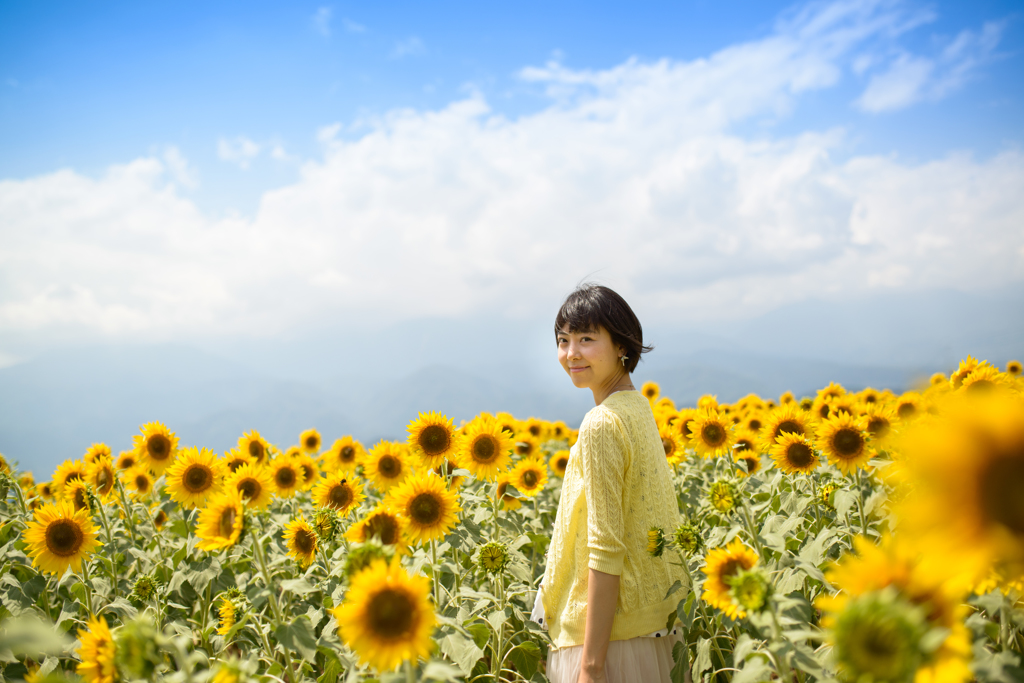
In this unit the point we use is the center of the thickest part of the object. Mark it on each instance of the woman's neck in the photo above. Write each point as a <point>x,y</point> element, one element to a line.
<point>620,382</point>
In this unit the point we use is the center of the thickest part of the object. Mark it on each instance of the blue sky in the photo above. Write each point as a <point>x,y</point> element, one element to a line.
<point>227,167</point>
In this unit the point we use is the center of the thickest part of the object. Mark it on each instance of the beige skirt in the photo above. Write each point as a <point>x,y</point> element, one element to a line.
<point>637,660</point>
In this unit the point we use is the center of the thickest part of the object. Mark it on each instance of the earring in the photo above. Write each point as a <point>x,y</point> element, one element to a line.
<point>623,359</point>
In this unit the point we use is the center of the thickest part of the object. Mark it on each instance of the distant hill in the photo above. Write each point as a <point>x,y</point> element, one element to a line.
<point>372,382</point>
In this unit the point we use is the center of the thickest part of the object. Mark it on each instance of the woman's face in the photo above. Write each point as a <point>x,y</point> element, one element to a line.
<point>590,358</point>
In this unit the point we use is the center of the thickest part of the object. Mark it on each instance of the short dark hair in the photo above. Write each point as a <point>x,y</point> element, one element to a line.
<point>590,306</point>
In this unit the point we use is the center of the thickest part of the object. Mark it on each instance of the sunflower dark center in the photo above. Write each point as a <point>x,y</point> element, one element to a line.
<point>755,424</point>
<point>530,479</point>
<point>227,522</point>
<point>848,442</point>
<point>160,519</point>
<point>74,476</point>
<point>484,449</point>
<point>791,426</point>
<point>383,527</point>
<point>752,464</point>
<point>308,473</point>
<point>389,466</point>
<point>562,462</point>
<point>800,455</point>
<point>305,542</point>
<point>744,445</point>
<point>158,446</point>
<point>142,483</point>
<point>285,477</point>
<point>390,614</point>
<point>104,480</point>
<point>879,427</point>
<point>823,411</point>
<point>197,478</point>
<point>425,509</point>
<point>64,537</point>
<point>668,445</point>
<point>256,450</point>
<point>1000,494</point>
<point>524,448</point>
<point>906,410</point>
<point>535,430</point>
<point>434,440</point>
<point>235,464</point>
<point>981,386</point>
<point>80,501</point>
<point>729,568</point>
<point>713,434</point>
<point>250,488</point>
<point>312,442</point>
<point>340,496</point>
<point>127,463</point>
<point>347,454</point>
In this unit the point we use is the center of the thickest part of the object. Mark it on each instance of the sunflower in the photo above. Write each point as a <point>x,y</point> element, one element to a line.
<point>559,430</point>
<point>508,423</point>
<point>655,541</point>
<point>285,474</point>
<point>909,406</point>
<point>309,472</point>
<point>967,366</point>
<point>220,523</point>
<point>526,446</point>
<point>984,378</point>
<point>254,446</point>
<point>310,441</point>
<point>68,471</point>
<point>785,419</point>
<point>387,616</point>
<point>430,509</point>
<point>879,422</point>
<point>794,453</point>
<point>254,483</point>
<point>508,501</point>
<point>672,443</point>
<point>226,614</point>
<point>95,451</point>
<point>45,490</point>
<point>301,541</point>
<point>651,391</point>
<point>529,476</point>
<point>338,491</point>
<point>684,424</point>
<point>60,537</point>
<point>386,464</point>
<point>833,390</point>
<point>750,458</point>
<point>719,565</point>
<point>381,523</point>
<point>193,477</point>
<point>486,448</point>
<point>343,455</point>
<point>1013,367</point>
<point>156,447</point>
<point>96,652</point>
<point>753,421</point>
<point>293,451</point>
<point>843,442</point>
<point>722,496</point>
<point>493,557</point>
<point>558,462</point>
<point>711,433</point>
<point>787,397</point>
<point>100,474</point>
<point>433,438</point>
<point>534,427</point>
<point>909,570</point>
<point>126,460</point>
<point>138,479</point>
<point>968,471</point>
<point>77,493</point>
<point>235,459</point>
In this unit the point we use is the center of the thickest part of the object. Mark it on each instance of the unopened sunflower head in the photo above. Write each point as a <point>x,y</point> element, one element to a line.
<point>361,556</point>
<point>686,538</point>
<point>722,495</point>
<point>492,557</point>
<point>138,648</point>
<point>144,589</point>
<point>750,589</point>
<point>325,523</point>
<point>655,541</point>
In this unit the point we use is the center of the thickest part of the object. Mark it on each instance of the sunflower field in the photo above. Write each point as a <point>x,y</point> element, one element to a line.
<point>850,536</point>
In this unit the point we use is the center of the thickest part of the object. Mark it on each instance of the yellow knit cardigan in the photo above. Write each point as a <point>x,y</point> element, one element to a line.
<point>617,486</point>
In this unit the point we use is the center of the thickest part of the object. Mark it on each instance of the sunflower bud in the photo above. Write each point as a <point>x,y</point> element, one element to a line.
<point>722,496</point>
<point>879,637</point>
<point>655,541</point>
<point>686,538</point>
<point>325,522</point>
<point>234,670</point>
<point>492,557</point>
<point>138,650</point>
<point>827,495</point>
<point>144,590</point>
<point>750,589</point>
<point>362,556</point>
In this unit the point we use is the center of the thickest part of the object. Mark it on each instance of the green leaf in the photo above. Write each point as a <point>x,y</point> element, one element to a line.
<point>481,633</point>
<point>298,586</point>
<point>436,670</point>
<point>703,661</point>
<point>526,658</point>
<point>673,588</point>
<point>298,636</point>
<point>463,650</point>
<point>754,669</point>
<point>681,657</point>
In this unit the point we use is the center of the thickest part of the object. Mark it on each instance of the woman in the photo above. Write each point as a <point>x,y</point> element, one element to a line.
<point>603,597</point>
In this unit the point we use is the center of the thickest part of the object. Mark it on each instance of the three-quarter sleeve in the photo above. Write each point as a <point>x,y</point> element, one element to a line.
<point>603,460</point>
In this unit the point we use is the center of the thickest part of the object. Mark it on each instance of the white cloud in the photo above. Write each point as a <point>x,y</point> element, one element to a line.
<point>352,26</point>
<point>913,78</point>
<point>409,47</point>
<point>240,150</point>
<point>322,21</point>
<point>632,172</point>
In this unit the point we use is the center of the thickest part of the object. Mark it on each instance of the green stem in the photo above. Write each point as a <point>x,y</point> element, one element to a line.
<point>860,506</point>
<point>410,673</point>
<point>110,542</point>
<point>495,499</point>
<point>127,510</point>
<point>780,657</point>
<point>46,599</point>
<point>1004,626</point>
<point>435,573</point>
<point>817,512</point>
<point>88,587</point>
<point>753,532</point>
<point>21,496</point>
<point>498,632</point>
<point>258,547</point>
